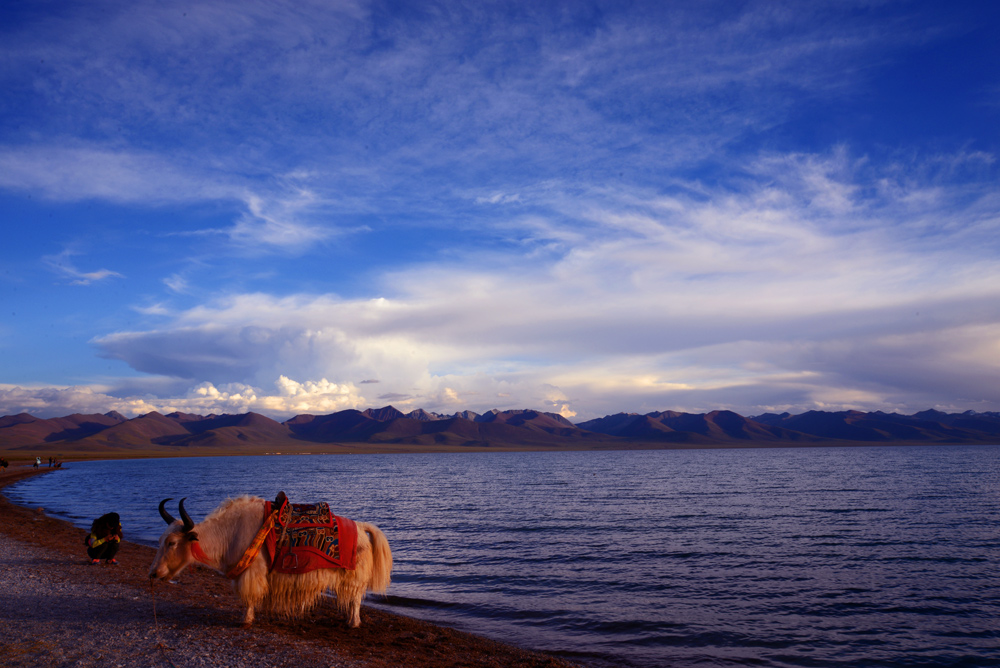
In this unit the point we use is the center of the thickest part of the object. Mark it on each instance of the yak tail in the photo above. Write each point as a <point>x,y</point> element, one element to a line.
<point>381,558</point>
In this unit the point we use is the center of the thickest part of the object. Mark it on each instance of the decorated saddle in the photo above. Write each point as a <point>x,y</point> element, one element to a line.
<point>305,537</point>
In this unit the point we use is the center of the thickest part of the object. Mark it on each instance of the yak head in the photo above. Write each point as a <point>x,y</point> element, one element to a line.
<point>175,545</point>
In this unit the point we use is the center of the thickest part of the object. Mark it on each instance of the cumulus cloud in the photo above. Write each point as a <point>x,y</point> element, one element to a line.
<point>287,399</point>
<point>319,396</point>
<point>59,401</point>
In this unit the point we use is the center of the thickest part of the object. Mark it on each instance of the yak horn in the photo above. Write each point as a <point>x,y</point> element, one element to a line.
<point>164,514</point>
<point>188,524</point>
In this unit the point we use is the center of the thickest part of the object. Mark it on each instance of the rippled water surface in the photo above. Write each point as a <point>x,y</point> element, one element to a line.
<point>788,557</point>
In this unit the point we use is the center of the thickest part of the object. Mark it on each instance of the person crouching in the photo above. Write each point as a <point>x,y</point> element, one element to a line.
<point>104,539</point>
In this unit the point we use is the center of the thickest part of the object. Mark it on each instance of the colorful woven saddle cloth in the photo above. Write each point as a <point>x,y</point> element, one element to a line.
<point>308,536</point>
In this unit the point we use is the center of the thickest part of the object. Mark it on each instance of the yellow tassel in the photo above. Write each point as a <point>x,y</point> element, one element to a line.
<point>254,548</point>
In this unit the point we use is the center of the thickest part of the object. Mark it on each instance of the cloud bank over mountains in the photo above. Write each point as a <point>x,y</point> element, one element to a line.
<point>223,208</point>
<point>286,398</point>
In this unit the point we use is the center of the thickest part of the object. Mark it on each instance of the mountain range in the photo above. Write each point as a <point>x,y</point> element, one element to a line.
<point>111,432</point>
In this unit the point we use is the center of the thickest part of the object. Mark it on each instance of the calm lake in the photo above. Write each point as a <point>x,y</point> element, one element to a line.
<point>859,556</point>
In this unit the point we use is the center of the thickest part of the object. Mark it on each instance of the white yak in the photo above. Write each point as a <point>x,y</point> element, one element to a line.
<point>222,538</point>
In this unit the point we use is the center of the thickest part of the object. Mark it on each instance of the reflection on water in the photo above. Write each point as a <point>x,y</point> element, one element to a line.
<point>791,557</point>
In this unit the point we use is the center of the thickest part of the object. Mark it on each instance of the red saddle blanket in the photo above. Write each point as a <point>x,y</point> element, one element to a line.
<point>308,536</point>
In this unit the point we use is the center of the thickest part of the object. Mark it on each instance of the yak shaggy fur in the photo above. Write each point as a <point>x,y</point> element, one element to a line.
<point>227,532</point>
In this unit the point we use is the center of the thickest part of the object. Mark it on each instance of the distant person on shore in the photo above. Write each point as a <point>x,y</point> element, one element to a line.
<point>4,464</point>
<point>38,462</point>
<point>104,539</point>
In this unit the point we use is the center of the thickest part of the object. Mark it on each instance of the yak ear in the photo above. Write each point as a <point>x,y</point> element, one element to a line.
<point>191,535</point>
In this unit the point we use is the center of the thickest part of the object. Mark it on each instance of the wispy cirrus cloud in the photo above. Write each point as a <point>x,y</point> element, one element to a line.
<point>63,266</point>
<point>274,215</point>
<point>67,173</point>
<point>596,95</point>
<point>278,223</point>
<point>490,109</point>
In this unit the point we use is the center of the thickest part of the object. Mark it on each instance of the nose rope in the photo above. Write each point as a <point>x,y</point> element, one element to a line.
<point>156,628</point>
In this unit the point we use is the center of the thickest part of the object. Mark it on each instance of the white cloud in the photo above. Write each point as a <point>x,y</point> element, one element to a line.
<point>157,309</point>
<point>499,198</point>
<point>320,397</point>
<point>275,211</point>
<point>59,401</point>
<point>287,399</point>
<point>177,283</point>
<point>686,299</point>
<point>94,172</point>
<point>62,265</point>
<point>276,223</point>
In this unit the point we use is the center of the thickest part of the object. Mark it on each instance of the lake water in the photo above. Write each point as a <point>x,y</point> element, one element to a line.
<point>882,556</point>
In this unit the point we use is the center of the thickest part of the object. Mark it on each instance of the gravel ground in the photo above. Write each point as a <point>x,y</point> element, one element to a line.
<point>59,612</point>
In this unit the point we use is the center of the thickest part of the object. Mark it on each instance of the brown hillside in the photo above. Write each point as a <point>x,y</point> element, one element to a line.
<point>25,429</point>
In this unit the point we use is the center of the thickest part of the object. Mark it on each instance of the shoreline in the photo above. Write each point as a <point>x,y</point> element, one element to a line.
<point>24,455</point>
<point>59,611</point>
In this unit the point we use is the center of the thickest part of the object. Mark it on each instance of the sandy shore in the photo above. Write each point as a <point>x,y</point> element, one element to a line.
<point>57,610</point>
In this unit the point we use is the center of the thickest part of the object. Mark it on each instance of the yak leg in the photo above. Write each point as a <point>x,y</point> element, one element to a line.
<point>354,614</point>
<point>350,592</point>
<point>353,585</point>
<point>252,588</point>
<point>248,617</point>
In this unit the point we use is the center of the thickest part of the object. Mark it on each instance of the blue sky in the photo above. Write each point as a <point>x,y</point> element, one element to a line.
<point>578,207</point>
